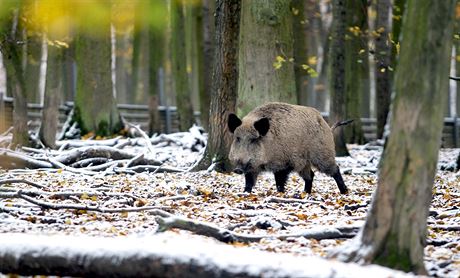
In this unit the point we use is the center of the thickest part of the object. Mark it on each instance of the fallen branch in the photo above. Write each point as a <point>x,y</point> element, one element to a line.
<point>227,236</point>
<point>289,200</point>
<point>11,160</point>
<point>11,181</point>
<point>145,136</point>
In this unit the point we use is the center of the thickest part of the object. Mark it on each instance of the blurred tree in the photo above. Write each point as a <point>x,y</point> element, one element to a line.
<point>457,54</point>
<point>95,106</point>
<point>394,234</point>
<point>357,86</point>
<point>11,43</point>
<point>383,70</point>
<point>337,73</point>
<point>179,65</point>
<point>301,50</point>
<point>53,90</point>
<point>208,29</point>
<point>265,58</point>
<point>224,86</point>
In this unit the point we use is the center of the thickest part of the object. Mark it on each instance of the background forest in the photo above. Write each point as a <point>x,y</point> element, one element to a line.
<point>101,99</point>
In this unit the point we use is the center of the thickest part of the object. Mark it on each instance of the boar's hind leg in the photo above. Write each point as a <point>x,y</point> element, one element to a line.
<point>250,179</point>
<point>281,178</point>
<point>338,179</point>
<point>307,175</point>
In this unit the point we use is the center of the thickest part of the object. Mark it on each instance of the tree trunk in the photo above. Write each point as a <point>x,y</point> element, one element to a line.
<point>95,105</point>
<point>69,82</point>
<point>356,68</point>
<point>179,70</point>
<point>337,83</point>
<point>300,50</point>
<point>224,86</point>
<point>321,91</point>
<point>383,70</point>
<point>394,234</point>
<point>208,29</point>
<point>457,57</point>
<point>267,34</point>
<point>53,88</point>
<point>156,35</point>
<point>11,49</point>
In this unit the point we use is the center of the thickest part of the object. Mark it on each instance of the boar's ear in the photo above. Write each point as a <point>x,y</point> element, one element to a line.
<point>262,126</point>
<point>233,122</point>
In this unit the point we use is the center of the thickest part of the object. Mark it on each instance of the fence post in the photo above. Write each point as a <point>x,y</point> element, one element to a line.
<point>164,100</point>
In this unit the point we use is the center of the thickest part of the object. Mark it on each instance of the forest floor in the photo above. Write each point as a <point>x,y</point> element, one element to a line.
<point>217,199</point>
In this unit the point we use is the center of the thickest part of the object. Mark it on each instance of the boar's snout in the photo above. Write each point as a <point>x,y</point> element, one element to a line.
<point>241,168</point>
<point>238,171</point>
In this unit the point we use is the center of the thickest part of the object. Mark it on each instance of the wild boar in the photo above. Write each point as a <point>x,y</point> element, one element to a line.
<point>281,138</point>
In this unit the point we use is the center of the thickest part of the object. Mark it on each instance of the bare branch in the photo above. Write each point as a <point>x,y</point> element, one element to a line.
<point>11,181</point>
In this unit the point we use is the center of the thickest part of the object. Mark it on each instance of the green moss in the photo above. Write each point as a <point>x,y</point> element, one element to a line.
<point>103,129</point>
<point>77,117</point>
<point>391,255</point>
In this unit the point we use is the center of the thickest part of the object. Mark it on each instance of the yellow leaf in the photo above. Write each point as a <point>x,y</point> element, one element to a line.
<point>398,46</point>
<point>457,58</point>
<point>291,60</point>
<point>305,67</point>
<point>361,51</point>
<point>59,171</point>
<point>124,214</point>
<point>277,65</point>
<point>94,198</point>
<point>382,70</point>
<point>68,221</point>
<point>280,59</point>
<point>84,196</point>
<point>313,60</point>
<point>295,11</point>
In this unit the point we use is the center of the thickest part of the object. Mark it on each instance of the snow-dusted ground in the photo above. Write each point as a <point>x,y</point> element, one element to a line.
<point>215,198</point>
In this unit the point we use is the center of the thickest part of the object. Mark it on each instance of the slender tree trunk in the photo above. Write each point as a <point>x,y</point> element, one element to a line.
<point>69,82</point>
<point>394,234</point>
<point>12,58</point>
<point>383,70</point>
<point>224,85</point>
<point>207,59</point>
<point>95,105</point>
<point>300,50</point>
<point>321,91</point>
<point>267,34</point>
<point>356,68</point>
<point>457,57</point>
<point>179,70</point>
<point>33,55</point>
<point>156,52</point>
<point>337,74</point>
<point>53,88</point>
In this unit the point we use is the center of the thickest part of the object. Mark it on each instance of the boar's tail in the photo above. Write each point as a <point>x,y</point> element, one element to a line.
<point>340,123</point>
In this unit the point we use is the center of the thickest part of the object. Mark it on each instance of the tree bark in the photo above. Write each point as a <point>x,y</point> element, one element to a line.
<point>11,49</point>
<point>53,88</point>
<point>383,70</point>
<point>356,68</point>
<point>224,86</point>
<point>95,105</point>
<point>179,64</point>
<point>208,29</point>
<point>267,34</point>
<point>394,234</point>
<point>337,83</point>
<point>300,50</point>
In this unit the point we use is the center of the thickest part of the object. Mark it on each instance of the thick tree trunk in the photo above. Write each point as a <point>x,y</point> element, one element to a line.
<point>95,105</point>
<point>11,49</point>
<point>267,34</point>
<point>179,70</point>
<point>383,70</point>
<point>394,234</point>
<point>224,86</point>
<point>337,74</point>
<point>356,68</point>
<point>53,88</point>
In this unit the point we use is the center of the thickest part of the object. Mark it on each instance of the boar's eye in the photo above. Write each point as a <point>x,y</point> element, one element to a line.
<point>238,139</point>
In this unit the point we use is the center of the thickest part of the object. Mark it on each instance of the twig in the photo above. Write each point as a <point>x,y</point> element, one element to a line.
<point>58,164</point>
<point>289,200</point>
<point>145,136</point>
<point>454,78</point>
<point>48,205</point>
<point>7,131</point>
<point>11,181</point>
<point>225,235</point>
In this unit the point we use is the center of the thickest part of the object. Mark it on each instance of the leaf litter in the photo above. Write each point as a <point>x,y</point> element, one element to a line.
<point>217,199</point>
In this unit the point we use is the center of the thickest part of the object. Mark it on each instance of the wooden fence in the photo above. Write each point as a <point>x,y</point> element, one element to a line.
<point>138,114</point>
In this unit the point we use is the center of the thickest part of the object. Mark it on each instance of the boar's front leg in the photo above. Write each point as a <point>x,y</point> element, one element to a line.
<point>250,179</point>
<point>281,178</point>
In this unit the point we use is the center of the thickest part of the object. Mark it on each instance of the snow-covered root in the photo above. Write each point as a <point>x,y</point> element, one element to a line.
<point>162,256</point>
<point>226,235</point>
